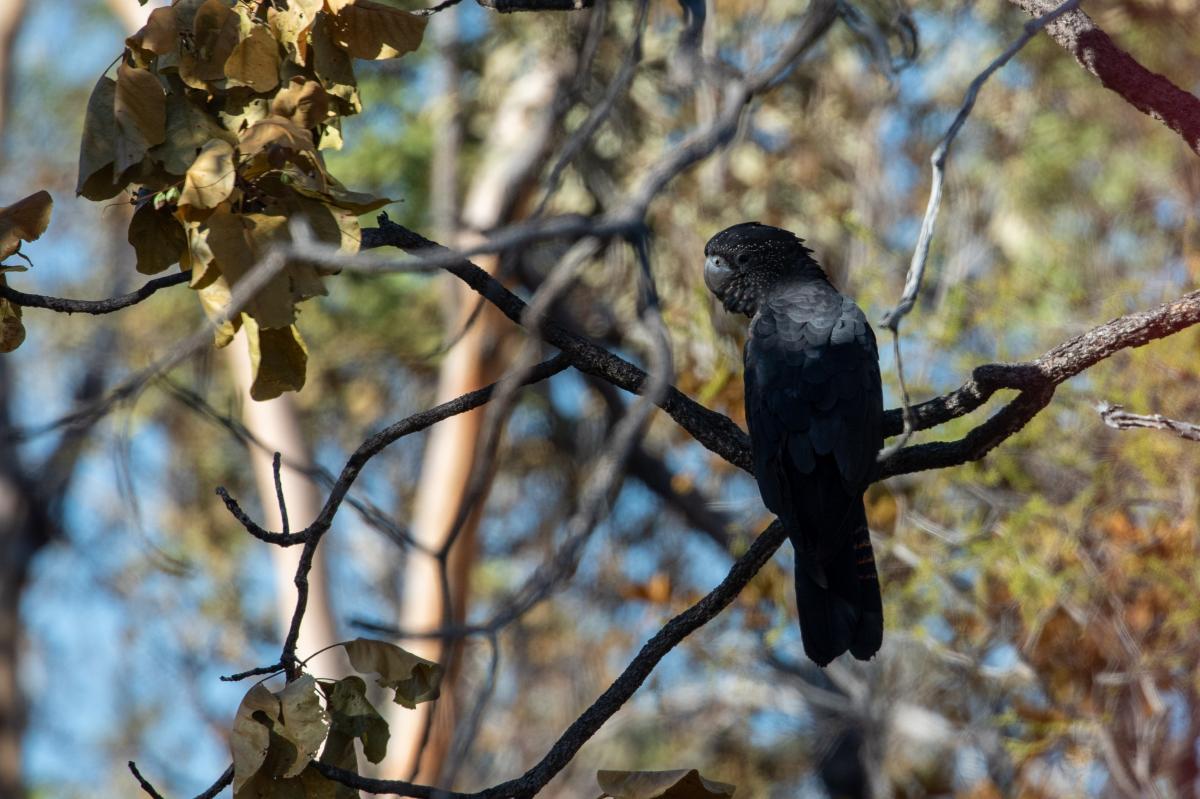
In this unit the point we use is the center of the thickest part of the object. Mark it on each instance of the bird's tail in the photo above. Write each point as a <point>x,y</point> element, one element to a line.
<point>846,612</point>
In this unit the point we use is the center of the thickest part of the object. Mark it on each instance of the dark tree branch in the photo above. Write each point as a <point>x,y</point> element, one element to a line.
<point>1148,92</point>
<point>97,307</point>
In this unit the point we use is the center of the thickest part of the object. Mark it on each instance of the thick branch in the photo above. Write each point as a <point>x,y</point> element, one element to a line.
<point>1147,91</point>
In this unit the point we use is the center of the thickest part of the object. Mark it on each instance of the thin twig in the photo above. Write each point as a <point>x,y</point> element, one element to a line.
<point>95,307</point>
<point>142,781</point>
<point>1117,417</point>
<point>275,465</point>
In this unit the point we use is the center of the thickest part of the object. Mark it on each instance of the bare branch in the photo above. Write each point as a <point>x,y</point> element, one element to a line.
<point>109,305</point>
<point>1117,417</point>
<point>1152,94</point>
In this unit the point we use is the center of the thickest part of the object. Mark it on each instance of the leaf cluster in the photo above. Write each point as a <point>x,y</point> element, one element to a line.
<point>215,122</point>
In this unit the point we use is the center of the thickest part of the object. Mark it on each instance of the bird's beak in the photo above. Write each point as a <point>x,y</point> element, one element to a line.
<point>716,274</point>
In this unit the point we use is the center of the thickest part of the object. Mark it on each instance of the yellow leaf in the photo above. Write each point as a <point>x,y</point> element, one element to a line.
<point>251,733</point>
<point>366,29</point>
<point>305,102</point>
<point>12,332</point>
<point>97,147</point>
<point>214,299</point>
<point>198,256</point>
<point>277,360</point>
<point>210,179</point>
<point>302,721</point>
<point>413,678</point>
<point>157,238</point>
<point>254,62</point>
<point>140,107</point>
<point>679,784</point>
<point>24,220</point>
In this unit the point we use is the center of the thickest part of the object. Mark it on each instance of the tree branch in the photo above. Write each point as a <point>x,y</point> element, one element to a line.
<point>97,307</point>
<point>1115,416</point>
<point>1148,92</point>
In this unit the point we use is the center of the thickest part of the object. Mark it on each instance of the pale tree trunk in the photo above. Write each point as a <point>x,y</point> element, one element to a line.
<point>12,13</point>
<point>276,425</point>
<point>512,154</point>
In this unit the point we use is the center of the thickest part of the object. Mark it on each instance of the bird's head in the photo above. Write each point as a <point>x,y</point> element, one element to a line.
<point>744,261</point>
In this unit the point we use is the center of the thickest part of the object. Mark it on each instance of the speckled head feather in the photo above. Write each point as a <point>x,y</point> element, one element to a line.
<point>743,261</point>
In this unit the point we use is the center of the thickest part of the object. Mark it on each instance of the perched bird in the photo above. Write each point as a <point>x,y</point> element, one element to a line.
<point>814,405</point>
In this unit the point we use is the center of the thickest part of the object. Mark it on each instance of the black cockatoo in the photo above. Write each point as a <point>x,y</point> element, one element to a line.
<point>814,405</point>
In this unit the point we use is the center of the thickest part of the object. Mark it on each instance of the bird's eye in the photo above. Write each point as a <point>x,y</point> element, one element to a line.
<point>743,259</point>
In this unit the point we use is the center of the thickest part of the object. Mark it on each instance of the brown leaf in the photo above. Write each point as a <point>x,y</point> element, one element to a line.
<point>291,26</point>
<point>12,332</point>
<point>334,68</point>
<point>275,131</point>
<point>24,220</point>
<point>238,243</point>
<point>302,721</point>
<point>413,678</point>
<point>214,36</point>
<point>353,716</point>
<point>277,360</point>
<point>679,784</point>
<point>140,107</point>
<point>366,29</point>
<point>305,102</point>
<point>159,35</point>
<point>254,62</point>
<point>210,179</point>
<point>189,128</point>
<point>251,732</point>
<point>157,238</point>
<point>98,144</point>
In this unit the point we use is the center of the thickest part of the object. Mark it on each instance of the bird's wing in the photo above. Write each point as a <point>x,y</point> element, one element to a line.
<point>814,408</point>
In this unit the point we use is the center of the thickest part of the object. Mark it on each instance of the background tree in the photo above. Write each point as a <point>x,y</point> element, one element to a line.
<point>1039,601</point>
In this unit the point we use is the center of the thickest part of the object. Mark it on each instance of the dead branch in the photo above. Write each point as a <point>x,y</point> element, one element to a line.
<point>1116,417</point>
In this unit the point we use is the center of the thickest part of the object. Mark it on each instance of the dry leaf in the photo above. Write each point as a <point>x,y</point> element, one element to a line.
<point>214,299</point>
<point>140,107</point>
<point>251,733</point>
<point>157,238</point>
<point>12,332</point>
<point>97,147</point>
<point>353,716</point>
<point>160,34</point>
<point>302,721</point>
<point>679,784</point>
<point>366,29</point>
<point>238,243</point>
<point>254,62</point>
<point>275,131</point>
<point>291,25</point>
<point>278,359</point>
<point>210,179</point>
<point>215,34</point>
<point>413,678</point>
<point>305,102</point>
<point>188,129</point>
<point>24,220</point>
<point>334,68</point>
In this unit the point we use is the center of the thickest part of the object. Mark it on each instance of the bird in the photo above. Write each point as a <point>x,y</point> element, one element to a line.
<point>814,407</point>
